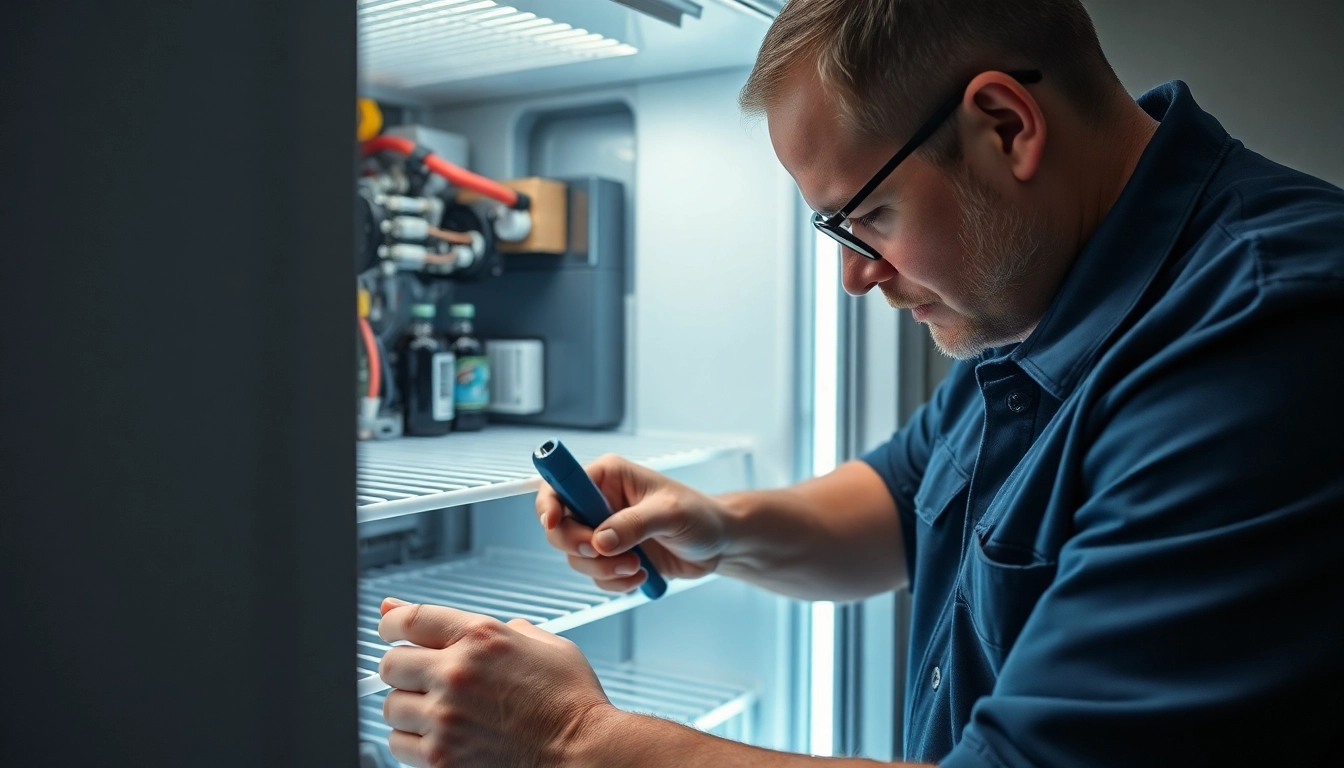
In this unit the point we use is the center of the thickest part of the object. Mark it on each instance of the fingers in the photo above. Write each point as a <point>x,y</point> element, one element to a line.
<point>549,509</point>
<point>430,626</point>
<point>621,585</point>
<point>611,574</point>
<point>656,515</point>
<point>389,603</point>
<point>620,480</point>
<point>606,568</point>
<point>409,668</point>
<point>408,748</point>
<point>613,476</point>
<point>607,473</point>
<point>571,537</point>
<point>409,712</point>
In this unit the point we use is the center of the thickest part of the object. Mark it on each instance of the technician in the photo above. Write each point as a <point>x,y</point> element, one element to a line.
<point>1121,515</point>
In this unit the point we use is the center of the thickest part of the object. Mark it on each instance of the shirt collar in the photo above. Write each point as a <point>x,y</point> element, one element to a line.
<point>1122,257</point>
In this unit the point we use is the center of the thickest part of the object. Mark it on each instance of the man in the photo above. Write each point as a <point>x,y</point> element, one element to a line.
<point>1120,516</point>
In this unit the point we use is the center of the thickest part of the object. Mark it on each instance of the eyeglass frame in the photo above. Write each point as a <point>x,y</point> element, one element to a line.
<point>832,225</point>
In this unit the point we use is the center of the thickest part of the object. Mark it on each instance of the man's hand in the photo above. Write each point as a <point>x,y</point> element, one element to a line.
<point>479,692</point>
<point>680,529</point>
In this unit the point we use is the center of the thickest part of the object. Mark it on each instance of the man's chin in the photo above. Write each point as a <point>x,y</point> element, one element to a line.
<point>966,339</point>
<point>958,343</point>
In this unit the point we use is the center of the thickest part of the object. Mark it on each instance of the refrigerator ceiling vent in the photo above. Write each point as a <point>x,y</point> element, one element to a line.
<point>412,43</point>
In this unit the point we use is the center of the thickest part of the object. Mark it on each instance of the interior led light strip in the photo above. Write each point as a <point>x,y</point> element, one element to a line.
<point>825,452</point>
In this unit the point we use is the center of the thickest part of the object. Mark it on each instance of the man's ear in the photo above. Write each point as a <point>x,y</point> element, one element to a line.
<point>1001,127</point>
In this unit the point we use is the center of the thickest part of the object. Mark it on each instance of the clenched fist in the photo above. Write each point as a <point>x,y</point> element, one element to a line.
<point>479,692</point>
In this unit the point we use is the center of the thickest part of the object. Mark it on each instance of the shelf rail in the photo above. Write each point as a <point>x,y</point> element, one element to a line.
<point>410,475</point>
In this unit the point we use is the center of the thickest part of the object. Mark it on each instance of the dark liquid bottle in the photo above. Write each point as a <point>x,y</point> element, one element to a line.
<point>473,368</point>
<point>427,374</point>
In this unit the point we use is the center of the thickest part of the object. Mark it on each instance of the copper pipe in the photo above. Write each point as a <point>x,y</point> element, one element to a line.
<point>448,236</point>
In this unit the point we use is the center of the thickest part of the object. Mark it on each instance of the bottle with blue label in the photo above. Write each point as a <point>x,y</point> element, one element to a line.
<point>473,368</point>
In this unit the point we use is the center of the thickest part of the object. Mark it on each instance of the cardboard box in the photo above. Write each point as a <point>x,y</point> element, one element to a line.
<point>549,217</point>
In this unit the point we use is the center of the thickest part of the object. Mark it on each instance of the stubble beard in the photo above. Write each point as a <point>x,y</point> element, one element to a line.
<point>1000,248</point>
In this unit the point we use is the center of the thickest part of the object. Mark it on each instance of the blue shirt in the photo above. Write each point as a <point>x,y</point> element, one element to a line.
<point>1126,533</point>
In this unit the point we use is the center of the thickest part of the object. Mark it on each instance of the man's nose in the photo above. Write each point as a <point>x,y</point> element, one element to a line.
<point>859,274</point>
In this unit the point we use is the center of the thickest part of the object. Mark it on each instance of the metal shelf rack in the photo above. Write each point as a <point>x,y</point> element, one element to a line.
<point>502,583</point>
<point>410,475</point>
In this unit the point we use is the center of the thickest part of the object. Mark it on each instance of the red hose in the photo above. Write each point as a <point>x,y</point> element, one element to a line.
<point>458,176</point>
<point>375,365</point>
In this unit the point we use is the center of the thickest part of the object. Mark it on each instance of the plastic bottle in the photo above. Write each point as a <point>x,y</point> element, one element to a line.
<point>473,368</point>
<point>426,370</point>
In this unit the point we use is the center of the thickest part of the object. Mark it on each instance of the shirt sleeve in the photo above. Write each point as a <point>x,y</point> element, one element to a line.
<point>1196,617</point>
<point>901,462</point>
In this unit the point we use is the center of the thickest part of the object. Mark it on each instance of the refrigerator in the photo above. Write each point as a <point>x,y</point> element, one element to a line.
<point>195,543</point>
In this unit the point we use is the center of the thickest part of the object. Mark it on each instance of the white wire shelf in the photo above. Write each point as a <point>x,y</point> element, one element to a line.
<point>409,475</point>
<point>505,584</point>
<point>703,705</point>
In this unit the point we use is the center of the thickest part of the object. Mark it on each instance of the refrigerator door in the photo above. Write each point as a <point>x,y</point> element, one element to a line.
<point>177,531</point>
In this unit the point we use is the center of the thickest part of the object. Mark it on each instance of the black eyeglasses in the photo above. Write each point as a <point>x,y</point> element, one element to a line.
<point>837,225</point>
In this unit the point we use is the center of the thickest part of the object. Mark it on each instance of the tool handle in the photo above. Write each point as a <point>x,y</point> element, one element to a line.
<point>577,492</point>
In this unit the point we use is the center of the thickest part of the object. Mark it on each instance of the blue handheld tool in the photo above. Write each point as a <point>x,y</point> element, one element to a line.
<point>578,493</point>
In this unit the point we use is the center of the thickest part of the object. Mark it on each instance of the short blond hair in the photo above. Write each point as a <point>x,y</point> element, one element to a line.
<point>890,63</point>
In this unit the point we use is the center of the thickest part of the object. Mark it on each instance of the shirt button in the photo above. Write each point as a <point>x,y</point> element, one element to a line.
<point>1018,401</point>
<point>937,678</point>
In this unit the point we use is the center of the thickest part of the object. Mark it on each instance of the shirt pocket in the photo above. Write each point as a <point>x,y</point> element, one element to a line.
<point>943,482</point>
<point>1001,588</point>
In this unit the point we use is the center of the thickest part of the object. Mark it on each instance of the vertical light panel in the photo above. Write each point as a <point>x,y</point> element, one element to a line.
<point>822,722</point>
<point>825,449</point>
<point>826,355</point>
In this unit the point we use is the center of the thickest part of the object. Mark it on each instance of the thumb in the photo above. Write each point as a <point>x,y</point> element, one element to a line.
<point>389,603</point>
<point>653,516</point>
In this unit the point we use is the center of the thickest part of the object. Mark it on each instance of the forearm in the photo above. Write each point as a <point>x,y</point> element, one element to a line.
<point>831,538</point>
<point>620,739</point>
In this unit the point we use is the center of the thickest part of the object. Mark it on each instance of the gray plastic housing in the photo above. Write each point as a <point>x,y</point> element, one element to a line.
<point>574,303</point>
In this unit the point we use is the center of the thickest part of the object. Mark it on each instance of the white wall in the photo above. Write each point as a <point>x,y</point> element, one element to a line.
<point>1269,71</point>
<point>713,312</point>
<point>714,244</point>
